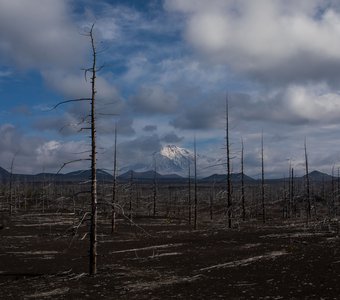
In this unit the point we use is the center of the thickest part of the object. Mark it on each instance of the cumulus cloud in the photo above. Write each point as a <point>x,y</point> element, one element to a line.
<point>39,34</point>
<point>270,40</point>
<point>314,103</point>
<point>295,105</point>
<point>34,154</point>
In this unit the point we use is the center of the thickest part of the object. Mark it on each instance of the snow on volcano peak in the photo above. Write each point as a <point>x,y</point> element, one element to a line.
<point>175,152</point>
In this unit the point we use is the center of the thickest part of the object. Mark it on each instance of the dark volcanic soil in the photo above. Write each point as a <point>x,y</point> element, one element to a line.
<point>41,258</point>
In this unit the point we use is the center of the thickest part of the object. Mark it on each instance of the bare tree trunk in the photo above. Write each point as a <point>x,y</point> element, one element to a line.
<point>292,201</point>
<point>308,208</point>
<point>229,200</point>
<point>11,187</point>
<point>93,228</point>
<point>262,183</point>
<point>114,187</point>
<point>195,183</point>
<point>154,187</point>
<point>338,183</point>
<point>331,200</point>
<point>131,195</point>
<point>211,203</point>
<point>189,192</point>
<point>285,207</point>
<point>242,183</point>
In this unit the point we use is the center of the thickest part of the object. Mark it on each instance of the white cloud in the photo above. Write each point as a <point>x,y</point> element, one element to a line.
<point>33,154</point>
<point>39,34</point>
<point>314,103</point>
<point>270,39</point>
<point>295,104</point>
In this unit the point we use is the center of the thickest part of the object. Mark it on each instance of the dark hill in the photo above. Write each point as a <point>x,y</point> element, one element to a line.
<point>4,175</point>
<point>235,177</point>
<point>319,176</point>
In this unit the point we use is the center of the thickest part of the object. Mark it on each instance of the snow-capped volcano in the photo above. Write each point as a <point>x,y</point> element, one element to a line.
<point>172,159</point>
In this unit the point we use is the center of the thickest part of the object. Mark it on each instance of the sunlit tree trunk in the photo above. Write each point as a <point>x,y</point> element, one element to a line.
<point>93,228</point>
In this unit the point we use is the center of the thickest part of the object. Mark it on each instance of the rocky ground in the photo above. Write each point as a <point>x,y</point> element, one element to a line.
<point>44,256</point>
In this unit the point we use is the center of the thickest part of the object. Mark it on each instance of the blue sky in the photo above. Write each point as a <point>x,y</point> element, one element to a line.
<point>167,68</point>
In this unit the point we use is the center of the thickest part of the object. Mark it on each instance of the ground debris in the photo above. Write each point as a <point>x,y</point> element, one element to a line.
<point>55,292</point>
<point>246,261</point>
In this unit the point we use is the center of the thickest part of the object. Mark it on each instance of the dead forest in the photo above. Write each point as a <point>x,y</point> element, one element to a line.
<point>164,239</point>
<point>150,247</point>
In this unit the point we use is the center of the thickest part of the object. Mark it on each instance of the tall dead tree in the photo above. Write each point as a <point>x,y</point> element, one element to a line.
<point>154,186</point>
<point>11,204</point>
<point>93,226</point>
<point>292,205</point>
<point>308,204</point>
<point>195,184</point>
<point>229,199</point>
<point>93,152</point>
<point>131,197</point>
<point>262,183</point>
<point>189,192</point>
<point>242,183</point>
<point>331,201</point>
<point>338,182</point>
<point>114,186</point>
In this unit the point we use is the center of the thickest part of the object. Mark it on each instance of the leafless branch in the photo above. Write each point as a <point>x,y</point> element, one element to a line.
<point>68,101</point>
<point>70,162</point>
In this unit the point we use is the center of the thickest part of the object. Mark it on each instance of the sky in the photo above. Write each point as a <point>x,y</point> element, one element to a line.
<point>168,66</point>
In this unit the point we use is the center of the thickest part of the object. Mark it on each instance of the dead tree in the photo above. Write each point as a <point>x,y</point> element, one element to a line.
<point>195,184</point>
<point>93,226</point>
<point>114,186</point>
<point>331,201</point>
<point>154,186</point>
<point>308,204</point>
<point>229,199</point>
<point>211,201</point>
<point>262,183</point>
<point>292,205</point>
<point>189,192</point>
<point>93,152</point>
<point>11,204</point>
<point>242,183</point>
<point>131,196</point>
<point>338,182</point>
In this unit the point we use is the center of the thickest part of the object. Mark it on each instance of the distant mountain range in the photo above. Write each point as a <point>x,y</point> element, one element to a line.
<point>170,164</point>
<point>147,176</point>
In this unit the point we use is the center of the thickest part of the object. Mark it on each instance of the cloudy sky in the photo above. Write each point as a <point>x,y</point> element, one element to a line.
<point>167,67</point>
